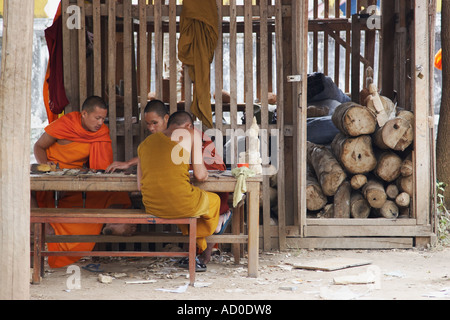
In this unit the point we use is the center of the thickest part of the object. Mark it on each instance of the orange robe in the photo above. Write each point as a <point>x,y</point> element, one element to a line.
<point>87,147</point>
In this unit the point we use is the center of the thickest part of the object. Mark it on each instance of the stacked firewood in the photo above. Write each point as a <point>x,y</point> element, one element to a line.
<point>367,171</point>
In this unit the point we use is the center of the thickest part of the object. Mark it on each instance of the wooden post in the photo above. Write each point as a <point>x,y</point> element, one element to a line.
<point>15,110</point>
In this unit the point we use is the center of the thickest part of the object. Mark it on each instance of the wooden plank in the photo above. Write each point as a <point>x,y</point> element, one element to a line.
<point>361,222</point>
<point>151,237</point>
<point>367,231</point>
<point>218,72</point>
<point>173,68</point>
<point>356,44</point>
<point>332,264</point>
<point>82,84</point>
<point>301,118</point>
<point>112,75</point>
<point>280,124</point>
<point>69,58</point>
<point>158,49</point>
<point>233,82</point>
<point>15,115</point>
<point>128,55</point>
<point>97,28</point>
<point>248,63</point>
<point>350,243</point>
<point>422,165</point>
<point>143,66</point>
<point>264,86</point>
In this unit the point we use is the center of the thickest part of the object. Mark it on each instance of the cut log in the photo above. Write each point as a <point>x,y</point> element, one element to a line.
<point>374,193</point>
<point>315,199</point>
<point>375,104</point>
<point>327,212</point>
<point>329,172</point>
<point>407,115</point>
<point>388,166</point>
<point>355,154</point>
<point>358,181</point>
<point>407,168</point>
<point>342,201</point>
<point>359,207</point>
<point>317,111</point>
<point>396,134</point>
<point>406,184</point>
<point>365,91</point>
<point>403,200</point>
<point>389,210</point>
<point>354,120</point>
<point>392,191</point>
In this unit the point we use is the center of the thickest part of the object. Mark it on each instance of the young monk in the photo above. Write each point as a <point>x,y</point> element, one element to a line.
<point>164,181</point>
<point>156,117</point>
<point>77,140</point>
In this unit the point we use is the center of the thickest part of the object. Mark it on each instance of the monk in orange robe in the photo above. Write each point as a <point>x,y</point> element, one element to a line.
<point>77,140</point>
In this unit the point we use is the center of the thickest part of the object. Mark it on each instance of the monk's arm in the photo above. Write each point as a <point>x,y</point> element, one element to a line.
<point>117,165</point>
<point>200,171</point>
<point>41,146</point>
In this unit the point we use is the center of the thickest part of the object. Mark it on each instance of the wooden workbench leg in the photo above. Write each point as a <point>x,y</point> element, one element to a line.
<point>192,249</point>
<point>236,230</point>
<point>37,253</point>
<point>253,231</point>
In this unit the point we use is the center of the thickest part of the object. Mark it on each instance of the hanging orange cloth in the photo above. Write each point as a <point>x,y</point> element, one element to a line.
<point>438,60</point>
<point>198,41</point>
<point>92,147</point>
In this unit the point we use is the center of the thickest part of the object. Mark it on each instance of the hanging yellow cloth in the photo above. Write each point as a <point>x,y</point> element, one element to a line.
<point>198,41</point>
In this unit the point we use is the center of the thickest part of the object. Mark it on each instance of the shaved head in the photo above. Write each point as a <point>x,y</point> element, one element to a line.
<point>180,118</point>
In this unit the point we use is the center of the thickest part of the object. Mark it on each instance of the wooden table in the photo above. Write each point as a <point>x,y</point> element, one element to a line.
<point>128,183</point>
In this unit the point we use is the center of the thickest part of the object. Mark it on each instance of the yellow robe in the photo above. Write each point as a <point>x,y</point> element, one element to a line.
<point>198,41</point>
<point>167,191</point>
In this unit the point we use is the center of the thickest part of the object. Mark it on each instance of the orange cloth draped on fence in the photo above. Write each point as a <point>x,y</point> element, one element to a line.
<point>198,41</point>
<point>92,147</point>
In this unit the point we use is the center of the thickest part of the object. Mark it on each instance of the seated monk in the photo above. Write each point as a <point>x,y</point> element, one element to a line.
<point>164,180</point>
<point>156,117</point>
<point>78,140</point>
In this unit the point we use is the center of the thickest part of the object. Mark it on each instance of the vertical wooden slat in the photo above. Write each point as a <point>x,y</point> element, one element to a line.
<point>219,70</point>
<point>316,38</point>
<point>97,48</point>
<point>301,47</point>
<point>173,54</point>
<point>143,76</point>
<point>248,62</point>
<point>264,85</point>
<point>82,53</point>
<point>337,48</point>
<point>112,74</point>
<point>233,79</point>
<point>280,123</point>
<point>348,52</point>
<point>420,73</point>
<point>325,38</point>
<point>158,49</point>
<point>68,60</point>
<point>356,44</point>
<point>15,115</point>
<point>128,79</point>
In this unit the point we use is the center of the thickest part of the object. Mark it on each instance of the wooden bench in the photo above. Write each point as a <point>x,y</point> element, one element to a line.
<point>39,217</point>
